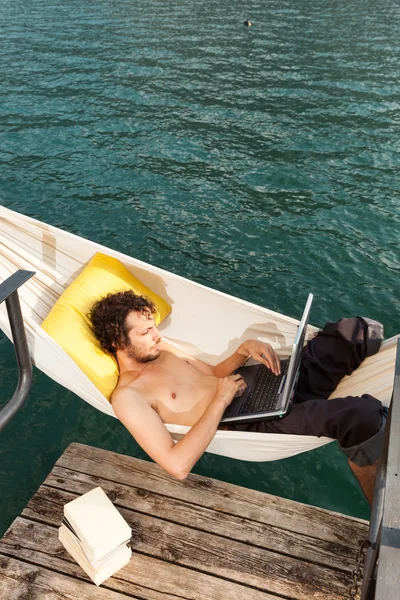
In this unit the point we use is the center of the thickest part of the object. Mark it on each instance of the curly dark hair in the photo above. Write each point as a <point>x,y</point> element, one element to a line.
<point>108,318</point>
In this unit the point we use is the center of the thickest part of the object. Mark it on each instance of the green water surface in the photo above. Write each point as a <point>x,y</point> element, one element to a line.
<point>260,161</point>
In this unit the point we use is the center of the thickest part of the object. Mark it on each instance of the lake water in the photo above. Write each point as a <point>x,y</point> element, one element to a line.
<point>262,161</point>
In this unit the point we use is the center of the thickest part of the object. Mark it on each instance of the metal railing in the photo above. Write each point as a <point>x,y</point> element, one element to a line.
<point>381,580</point>
<point>9,295</point>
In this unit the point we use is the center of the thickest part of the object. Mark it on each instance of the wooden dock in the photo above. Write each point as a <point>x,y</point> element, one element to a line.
<point>198,539</point>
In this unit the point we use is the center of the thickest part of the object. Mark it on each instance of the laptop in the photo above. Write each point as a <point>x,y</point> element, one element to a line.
<point>269,396</point>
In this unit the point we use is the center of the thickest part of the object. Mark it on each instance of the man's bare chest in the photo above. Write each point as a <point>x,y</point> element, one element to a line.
<point>171,379</point>
<point>175,387</point>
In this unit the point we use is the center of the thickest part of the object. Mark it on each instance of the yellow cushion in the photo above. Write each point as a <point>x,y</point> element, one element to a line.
<point>68,323</point>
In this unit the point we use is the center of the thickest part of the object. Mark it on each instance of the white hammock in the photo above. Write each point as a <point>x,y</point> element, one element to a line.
<point>204,322</point>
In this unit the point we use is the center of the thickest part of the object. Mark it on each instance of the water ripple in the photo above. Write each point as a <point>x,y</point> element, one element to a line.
<point>262,161</point>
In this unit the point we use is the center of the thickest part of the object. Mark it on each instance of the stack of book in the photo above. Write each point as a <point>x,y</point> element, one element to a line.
<point>96,535</point>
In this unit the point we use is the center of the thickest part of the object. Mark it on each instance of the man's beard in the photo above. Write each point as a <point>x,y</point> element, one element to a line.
<point>140,357</point>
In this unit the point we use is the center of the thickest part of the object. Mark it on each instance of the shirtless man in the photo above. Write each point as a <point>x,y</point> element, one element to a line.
<point>159,384</point>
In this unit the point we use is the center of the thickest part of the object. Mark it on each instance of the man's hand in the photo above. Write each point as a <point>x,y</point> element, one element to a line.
<point>228,388</point>
<point>263,353</point>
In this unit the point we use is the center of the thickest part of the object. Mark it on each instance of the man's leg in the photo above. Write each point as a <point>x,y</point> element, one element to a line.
<point>356,422</point>
<point>366,478</point>
<point>337,350</point>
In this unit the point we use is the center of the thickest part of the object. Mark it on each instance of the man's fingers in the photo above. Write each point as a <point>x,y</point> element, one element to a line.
<point>265,360</point>
<point>271,361</point>
<point>236,377</point>
<point>239,379</point>
<point>277,362</point>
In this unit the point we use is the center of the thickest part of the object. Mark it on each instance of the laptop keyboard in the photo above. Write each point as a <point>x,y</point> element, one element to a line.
<point>264,396</point>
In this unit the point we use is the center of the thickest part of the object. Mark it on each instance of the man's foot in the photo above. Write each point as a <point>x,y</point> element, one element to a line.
<point>366,478</point>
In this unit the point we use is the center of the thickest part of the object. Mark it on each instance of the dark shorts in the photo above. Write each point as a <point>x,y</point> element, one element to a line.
<point>356,422</point>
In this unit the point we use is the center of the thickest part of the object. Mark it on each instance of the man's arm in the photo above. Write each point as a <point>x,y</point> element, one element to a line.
<point>141,420</point>
<point>261,352</point>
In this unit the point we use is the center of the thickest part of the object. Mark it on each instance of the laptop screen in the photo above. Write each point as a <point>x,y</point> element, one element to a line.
<point>296,353</point>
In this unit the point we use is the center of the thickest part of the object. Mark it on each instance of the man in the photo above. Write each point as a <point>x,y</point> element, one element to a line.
<point>159,384</point>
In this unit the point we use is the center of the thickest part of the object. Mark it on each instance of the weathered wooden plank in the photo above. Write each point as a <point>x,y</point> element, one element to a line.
<point>210,493</point>
<point>21,581</point>
<point>273,538</point>
<point>230,559</point>
<point>198,539</point>
<point>145,577</point>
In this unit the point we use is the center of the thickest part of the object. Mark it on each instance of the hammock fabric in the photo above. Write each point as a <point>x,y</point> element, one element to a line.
<point>204,322</point>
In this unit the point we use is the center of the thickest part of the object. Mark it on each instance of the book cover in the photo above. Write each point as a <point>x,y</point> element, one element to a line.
<point>118,559</point>
<point>97,523</point>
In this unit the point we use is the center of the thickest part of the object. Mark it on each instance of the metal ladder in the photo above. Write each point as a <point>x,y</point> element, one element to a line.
<point>9,295</point>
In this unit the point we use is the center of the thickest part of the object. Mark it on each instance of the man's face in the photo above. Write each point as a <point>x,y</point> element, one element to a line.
<point>144,337</point>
